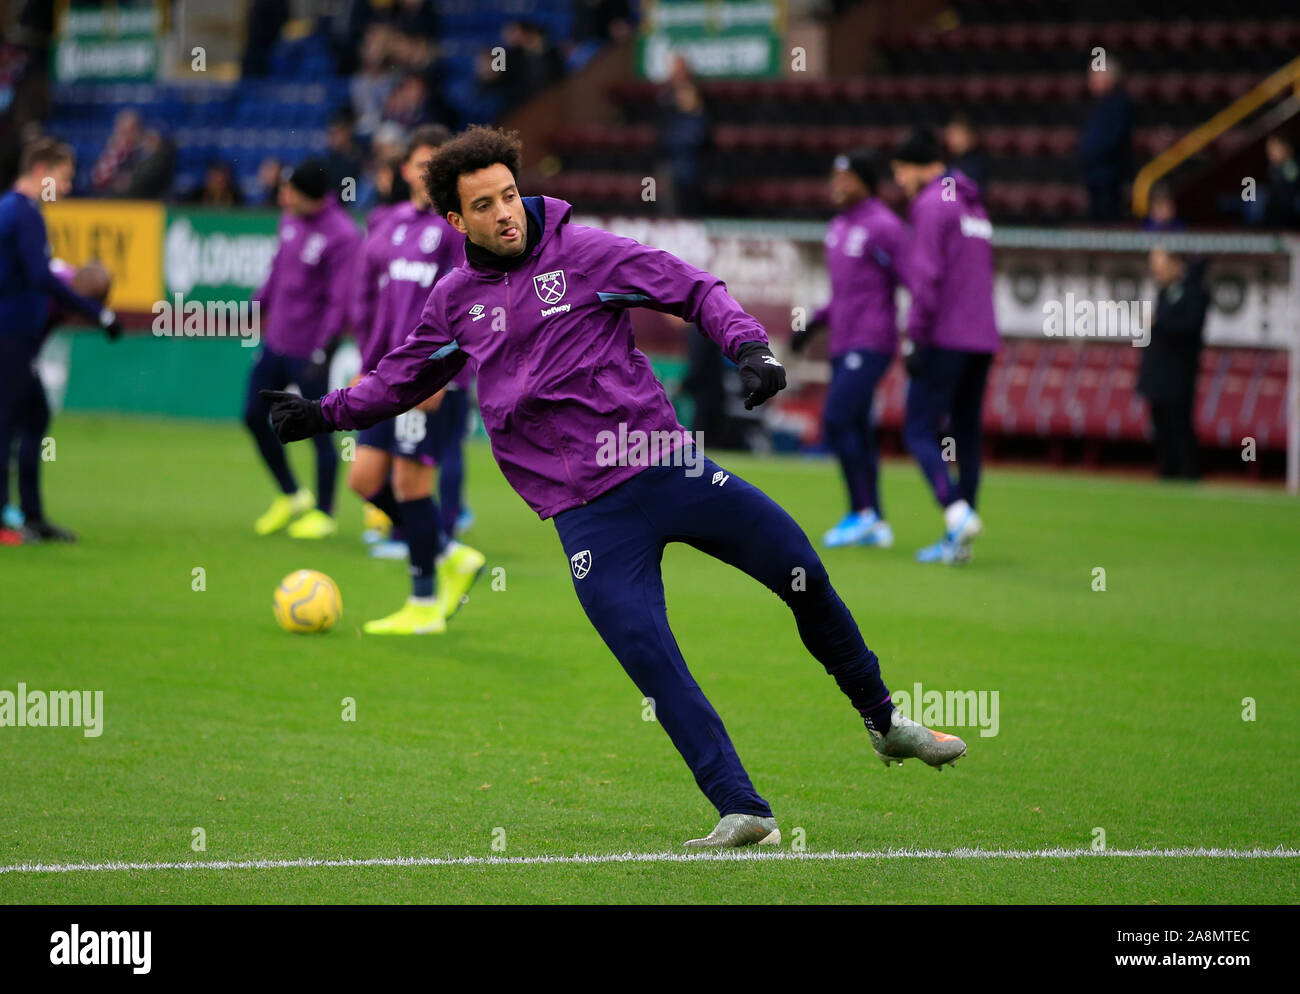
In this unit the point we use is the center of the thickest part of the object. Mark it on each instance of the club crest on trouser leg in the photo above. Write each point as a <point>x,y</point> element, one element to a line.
<point>550,287</point>
<point>581,562</point>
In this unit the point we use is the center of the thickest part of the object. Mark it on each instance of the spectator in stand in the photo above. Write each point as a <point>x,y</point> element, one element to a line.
<point>269,175</point>
<point>415,18</point>
<point>371,86</point>
<point>388,143</point>
<point>595,24</point>
<point>685,140</point>
<point>964,151</point>
<point>1280,199</point>
<point>266,19</point>
<point>349,26</point>
<point>1106,145</point>
<point>601,20</point>
<point>218,188</point>
<point>1163,214</point>
<point>151,177</point>
<point>343,160</point>
<point>407,104</point>
<point>111,174</point>
<point>531,64</point>
<point>383,190</point>
<point>1167,377</point>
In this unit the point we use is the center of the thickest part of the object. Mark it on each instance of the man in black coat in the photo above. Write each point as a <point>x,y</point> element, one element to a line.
<point>1106,144</point>
<point>1172,359</point>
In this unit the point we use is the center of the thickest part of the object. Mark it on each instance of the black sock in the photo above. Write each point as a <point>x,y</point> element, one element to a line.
<point>878,717</point>
<point>386,501</point>
<point>423,538</point>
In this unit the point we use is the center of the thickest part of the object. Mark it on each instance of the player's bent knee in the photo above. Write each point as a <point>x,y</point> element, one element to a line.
<point>412,480</point>
<point>363,482</point>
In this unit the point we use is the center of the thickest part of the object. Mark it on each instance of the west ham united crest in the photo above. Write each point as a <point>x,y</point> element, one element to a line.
<point>550,287</point>
<point>581,563</point>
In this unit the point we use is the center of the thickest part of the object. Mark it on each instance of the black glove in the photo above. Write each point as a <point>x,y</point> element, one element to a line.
<point>761,376</point>
<point>317,368</point>
<point>912,360</point>
<point>111,325</point>
<point>800,339</point>
<point>294,418</point>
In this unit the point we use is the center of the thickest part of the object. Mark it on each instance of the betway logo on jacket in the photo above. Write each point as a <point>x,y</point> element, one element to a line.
<point>413,271</point>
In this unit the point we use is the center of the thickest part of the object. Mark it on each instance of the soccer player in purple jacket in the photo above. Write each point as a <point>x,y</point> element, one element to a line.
<point>304,308</point>
<point>403,257</point>
<point>949,270</point>
<point>863,245</point>
<point>539,310</point>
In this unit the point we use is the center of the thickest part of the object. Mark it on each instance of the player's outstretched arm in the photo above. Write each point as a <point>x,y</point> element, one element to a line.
<point>421,366</point>
<point>636,275</point>
<point>36,267</point>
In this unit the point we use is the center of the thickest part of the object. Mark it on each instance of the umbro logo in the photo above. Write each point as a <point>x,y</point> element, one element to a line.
<point>476,312</point>
<point>720,477</point>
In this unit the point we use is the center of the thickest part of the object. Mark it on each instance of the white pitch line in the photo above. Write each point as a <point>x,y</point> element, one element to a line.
<point>750,855</point>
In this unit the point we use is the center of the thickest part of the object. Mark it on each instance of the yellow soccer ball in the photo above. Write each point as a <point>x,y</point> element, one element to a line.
<point>307,601</point>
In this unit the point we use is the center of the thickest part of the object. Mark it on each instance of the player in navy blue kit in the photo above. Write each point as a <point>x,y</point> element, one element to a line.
<point>27,288</point>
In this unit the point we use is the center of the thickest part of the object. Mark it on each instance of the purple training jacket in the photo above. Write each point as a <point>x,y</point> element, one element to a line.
<point>304,301</point>
<point>949,268</point>
<point>863,249</point>
<point>551,342</point>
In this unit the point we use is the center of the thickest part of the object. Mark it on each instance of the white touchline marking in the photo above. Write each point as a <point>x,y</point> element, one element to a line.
<point>748,854</point>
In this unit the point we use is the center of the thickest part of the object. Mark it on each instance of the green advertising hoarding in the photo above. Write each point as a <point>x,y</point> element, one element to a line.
<point>213,254</point>
<point>207,255</point>
<point>107,43</point>
<point>733,38</point>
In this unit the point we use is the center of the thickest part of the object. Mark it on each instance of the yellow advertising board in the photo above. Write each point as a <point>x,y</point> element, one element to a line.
<point>125,235</point>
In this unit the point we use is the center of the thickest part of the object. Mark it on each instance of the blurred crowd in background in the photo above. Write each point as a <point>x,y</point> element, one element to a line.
<point>385,67</point>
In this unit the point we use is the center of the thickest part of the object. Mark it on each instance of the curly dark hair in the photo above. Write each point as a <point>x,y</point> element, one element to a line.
<point>478,147</point>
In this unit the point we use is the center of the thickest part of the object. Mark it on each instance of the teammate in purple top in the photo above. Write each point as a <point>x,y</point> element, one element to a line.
<point>403,256</point>
<point>304,308</point>
<point>585,434</point>
<point>863,245</point>
<point>949,270</point>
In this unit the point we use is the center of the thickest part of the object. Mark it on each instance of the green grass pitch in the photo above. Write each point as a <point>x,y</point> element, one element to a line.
<point>1119,710</point>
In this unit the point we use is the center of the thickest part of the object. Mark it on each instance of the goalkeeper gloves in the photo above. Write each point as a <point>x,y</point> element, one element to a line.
<point>292,417</point>
<point>761,376</point>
